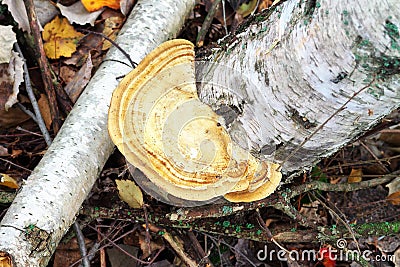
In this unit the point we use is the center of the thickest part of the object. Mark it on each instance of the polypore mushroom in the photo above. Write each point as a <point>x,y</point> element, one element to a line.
<point>180,144</point>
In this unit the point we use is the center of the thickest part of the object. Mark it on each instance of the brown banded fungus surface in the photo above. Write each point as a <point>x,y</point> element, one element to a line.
<point>179,143</point>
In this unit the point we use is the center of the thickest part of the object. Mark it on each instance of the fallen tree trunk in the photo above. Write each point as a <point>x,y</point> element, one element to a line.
<point>48,202</point>
<point>286,76</point>
<point>280,79</point>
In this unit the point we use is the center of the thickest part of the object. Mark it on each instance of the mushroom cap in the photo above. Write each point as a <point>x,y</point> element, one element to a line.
<point>179,143</point>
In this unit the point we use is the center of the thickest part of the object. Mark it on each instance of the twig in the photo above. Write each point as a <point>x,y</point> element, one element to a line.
<point>224,16</point>
<point>387,159</point>
<point>199,249</point>
<point>337,217</point>
<point>175,246</point>
<point>16,165</point>
<point>27,111</point>
<point>81,243</point>
<point>323,124</point>
<point>133,64</point>
<point>35,106</point>
<point>232,248</point>
<point>121,249</point>
<point>375,157</point>
<point>44,64</point>
<point>19,128</point>
<point>207,22</point>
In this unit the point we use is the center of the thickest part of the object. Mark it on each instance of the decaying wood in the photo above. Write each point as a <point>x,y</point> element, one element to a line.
<point>47,204</point>
<point>275,82</point>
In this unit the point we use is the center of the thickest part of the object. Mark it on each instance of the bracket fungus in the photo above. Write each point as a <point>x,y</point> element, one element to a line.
<point>179,143</point>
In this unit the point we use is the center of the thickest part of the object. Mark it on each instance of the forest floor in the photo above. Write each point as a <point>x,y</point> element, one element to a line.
<point>325,220</point>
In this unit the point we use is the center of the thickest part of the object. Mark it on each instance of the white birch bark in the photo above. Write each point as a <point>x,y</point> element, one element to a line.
<point>49,200</point>
<point>291,64</point>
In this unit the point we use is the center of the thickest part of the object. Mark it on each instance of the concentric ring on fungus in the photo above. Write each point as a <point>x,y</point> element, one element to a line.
<point>179,143</point>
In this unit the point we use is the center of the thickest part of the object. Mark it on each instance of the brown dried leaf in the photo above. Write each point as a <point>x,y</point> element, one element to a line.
<point>3,151</point>
<point>68,253</point>
<point>130,193</point>
<point>146,249</point>
<point>394,198</point>
<point>112,26</point>
<point>75,87</point>
<point>8,181</point>
<point>355,176</point>
<point>44,107</point>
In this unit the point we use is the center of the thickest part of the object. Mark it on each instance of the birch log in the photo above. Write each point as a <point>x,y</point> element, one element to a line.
<point>48,202</point>
<point>280,79</point>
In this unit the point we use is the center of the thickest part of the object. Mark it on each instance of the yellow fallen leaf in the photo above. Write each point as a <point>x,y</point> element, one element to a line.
<point>355,176</point>
<point>60,38</point>
<point>8,181</point>
<point>130,193</point>
<point>92,5</point>
<point>394,198</point>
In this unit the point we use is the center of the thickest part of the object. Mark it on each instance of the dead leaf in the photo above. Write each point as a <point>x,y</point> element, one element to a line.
<point>8,181</point>
<point>11,76</point>
<point>394,198</point>
<point>355,176</point>
<point>394,191</point>
<point>5,259</point>
<point>45,11</point>
<point>16,152</point>
<point>68,253</point>
<point>112,25</point>
<point>391,136</point>
<point>118,258</point>
<point>12,117</point>
<point>130,193</point>
<point>3,151</point>
<point>394,186</point>
<point>126,6</point>
<point>264,4</point>
<point>146,249</point>
<point>75,87</point>
<point>60,38</point>
<point>77,13</point>
<point>44,107</point>
<point>92,5</point>
<point>7,40</point>
<point>11,69</point>
<point>219,15</point>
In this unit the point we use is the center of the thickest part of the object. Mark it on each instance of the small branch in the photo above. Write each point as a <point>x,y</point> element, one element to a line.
<point>133,64</point>
<point>27,112</point>
<point>16,165</point>
<point>175,246</point>
<point>38,115</point>
<point>82,246</point>
<point>206,24</point>
<point>43,63</point>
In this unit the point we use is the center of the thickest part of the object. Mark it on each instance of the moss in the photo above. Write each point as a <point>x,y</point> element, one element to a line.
<point>226,224</point>
<point>249,226</point>
<point>227,210</point>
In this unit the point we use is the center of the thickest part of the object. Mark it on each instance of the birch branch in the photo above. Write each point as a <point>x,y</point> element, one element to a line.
<point>49,200</point>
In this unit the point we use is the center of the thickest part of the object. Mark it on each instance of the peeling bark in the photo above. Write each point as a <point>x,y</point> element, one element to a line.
<point>47,204</point>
